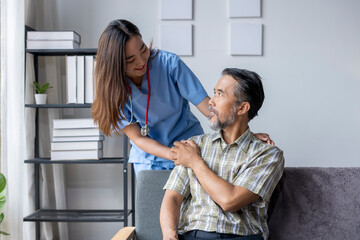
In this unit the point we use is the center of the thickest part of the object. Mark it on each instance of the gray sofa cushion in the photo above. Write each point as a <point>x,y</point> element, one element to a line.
<point>316,203</point>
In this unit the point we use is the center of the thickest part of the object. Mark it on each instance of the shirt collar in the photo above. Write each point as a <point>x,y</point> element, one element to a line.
<point>243,141</point>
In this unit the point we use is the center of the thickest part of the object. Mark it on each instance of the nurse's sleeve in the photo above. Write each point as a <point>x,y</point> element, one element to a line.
<point>189,85</point>
<point>124,122</point>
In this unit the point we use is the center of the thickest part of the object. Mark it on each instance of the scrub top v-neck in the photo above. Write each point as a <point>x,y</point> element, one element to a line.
<point>173,86</point>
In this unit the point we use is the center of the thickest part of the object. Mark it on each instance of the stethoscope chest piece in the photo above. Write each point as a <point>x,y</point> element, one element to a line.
<point>145,130</point>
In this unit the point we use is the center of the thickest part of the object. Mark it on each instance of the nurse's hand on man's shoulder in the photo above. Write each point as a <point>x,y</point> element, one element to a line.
<point>264,137</point>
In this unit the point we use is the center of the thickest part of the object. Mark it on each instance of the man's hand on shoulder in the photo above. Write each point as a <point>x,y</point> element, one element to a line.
<point>185,153</point>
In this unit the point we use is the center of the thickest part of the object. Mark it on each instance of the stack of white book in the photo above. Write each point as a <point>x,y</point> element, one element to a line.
<point>53,40</point>
<point>76,139</point>
<point>80,87</point>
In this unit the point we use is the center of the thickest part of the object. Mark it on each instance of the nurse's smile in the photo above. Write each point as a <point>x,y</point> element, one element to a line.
<point>141,68</point>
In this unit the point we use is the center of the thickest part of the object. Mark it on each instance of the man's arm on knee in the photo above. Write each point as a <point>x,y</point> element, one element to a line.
<point>170,214</point>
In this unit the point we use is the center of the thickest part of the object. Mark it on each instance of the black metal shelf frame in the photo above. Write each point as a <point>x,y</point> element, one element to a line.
<point>88,105</point>
<point>41,215</point>
<point>90,161</point>
<point>54,215</point>
<point>62,52</point>
<point>78,215</point>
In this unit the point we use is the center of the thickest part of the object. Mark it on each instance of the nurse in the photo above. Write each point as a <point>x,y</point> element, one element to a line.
<point>145,93</point>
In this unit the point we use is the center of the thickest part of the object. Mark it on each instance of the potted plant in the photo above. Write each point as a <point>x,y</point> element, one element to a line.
<point>40,96</point>
<point>2,198</point>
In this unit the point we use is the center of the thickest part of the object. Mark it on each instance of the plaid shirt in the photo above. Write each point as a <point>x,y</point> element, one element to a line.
<point>247,162</point>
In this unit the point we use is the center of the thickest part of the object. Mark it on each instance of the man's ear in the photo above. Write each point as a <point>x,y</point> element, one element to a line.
<point>243,108</point>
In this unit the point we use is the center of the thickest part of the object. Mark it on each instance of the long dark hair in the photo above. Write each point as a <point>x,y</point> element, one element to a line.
<point>110,79</point>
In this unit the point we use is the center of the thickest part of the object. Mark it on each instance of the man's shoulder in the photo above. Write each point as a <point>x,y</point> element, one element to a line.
<point>258,147</point>
<point>201,139</point>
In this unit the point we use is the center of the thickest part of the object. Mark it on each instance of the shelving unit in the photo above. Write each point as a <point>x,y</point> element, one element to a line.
<point>78,215</point>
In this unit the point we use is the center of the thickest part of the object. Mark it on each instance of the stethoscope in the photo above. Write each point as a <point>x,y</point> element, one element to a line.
<point>144,129</point>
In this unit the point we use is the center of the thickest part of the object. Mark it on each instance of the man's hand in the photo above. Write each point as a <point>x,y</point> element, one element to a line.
<point>170,214</point>
<point>185,153</point>
<point>264,137</point>
<point>170,235</point>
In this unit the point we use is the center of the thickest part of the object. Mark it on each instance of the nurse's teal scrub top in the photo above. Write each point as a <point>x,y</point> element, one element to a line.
<point>173,85</point>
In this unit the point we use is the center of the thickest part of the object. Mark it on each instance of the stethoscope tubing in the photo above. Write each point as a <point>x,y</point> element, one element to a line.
<point>145,129</point>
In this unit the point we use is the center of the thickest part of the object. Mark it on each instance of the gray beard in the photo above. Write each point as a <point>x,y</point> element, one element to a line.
<point>218,125</point>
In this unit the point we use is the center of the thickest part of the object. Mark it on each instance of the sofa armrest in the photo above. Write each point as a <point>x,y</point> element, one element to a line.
<point>125,233</point>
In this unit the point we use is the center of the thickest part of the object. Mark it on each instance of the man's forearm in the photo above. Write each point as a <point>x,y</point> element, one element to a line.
<point>170,214</point>
<point>228,196</point>
<point>217,188</point>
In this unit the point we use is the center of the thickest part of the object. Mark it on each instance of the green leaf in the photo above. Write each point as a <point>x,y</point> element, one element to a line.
<point>4,233</point>
<point>2,202</point>
<point>1,217</point>
<point>44,87</point>
<point>41,89</point>
<point>3,193</point>
<point>37,85</point>
<point>2,182</point>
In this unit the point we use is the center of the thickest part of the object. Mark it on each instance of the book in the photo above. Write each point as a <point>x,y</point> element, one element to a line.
<point>45,44</point>
<point>80,79</point>
<point>76,155</point>
<point>89,84</point>
<point>54,35</point>
<point>76,132</point>
<point>70,79</point>
<point>78,138</point>
<point>88,145</point>
<point>74,123</point>
<point>94,85</point>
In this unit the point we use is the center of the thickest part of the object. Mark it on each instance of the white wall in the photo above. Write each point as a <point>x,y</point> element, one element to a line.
<point>310,70</point>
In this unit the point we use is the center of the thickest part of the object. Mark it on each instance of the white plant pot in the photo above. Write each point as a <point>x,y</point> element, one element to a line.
<point>40,98</point>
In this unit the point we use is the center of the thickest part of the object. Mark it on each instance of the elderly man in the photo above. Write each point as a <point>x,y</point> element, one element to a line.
<point>221,186</point>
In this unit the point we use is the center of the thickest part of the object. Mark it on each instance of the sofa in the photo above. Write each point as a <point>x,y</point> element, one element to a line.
<point>316,203</point>
<point>308,203</point>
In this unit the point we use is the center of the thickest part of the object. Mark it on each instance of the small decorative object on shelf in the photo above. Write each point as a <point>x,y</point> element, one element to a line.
<point>40,96</point>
